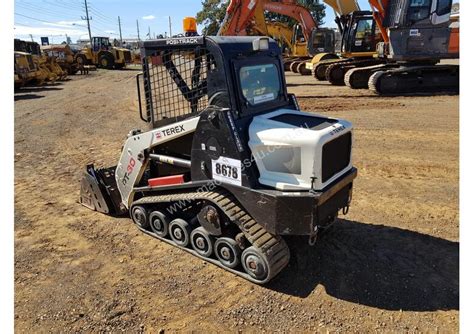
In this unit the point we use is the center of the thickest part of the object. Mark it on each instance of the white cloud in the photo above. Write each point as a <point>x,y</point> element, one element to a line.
<point>56,34</point>
<point>148,17</point>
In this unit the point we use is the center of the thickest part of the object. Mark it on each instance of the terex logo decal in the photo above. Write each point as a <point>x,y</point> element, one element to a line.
<point>170,131</point>
<point>337,129</point>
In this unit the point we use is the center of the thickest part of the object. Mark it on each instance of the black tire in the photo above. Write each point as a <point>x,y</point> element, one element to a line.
<point>180,232</point>
<point>202,242</point>
<point>106,61</point>
<point>255,263</point>
<point>159,223</point>
<point>81,59</point>
<point>140,217</point>
<point>227,252</point>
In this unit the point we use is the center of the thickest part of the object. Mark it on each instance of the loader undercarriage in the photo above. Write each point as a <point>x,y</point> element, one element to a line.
<point>244,247</point>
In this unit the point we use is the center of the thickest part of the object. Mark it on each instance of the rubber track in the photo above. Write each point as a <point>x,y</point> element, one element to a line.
<point>272,246</point>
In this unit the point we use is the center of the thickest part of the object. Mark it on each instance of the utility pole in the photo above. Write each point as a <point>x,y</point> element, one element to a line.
<point>31,36</point>
<point>138,31</point>
<point>169,19</point>
<point>149,33</point>
<point>120,30</point>
<point>88,23</point>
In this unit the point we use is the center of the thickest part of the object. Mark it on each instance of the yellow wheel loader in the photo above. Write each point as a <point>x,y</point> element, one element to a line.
<point>63,56</point>
<point>102,54</point>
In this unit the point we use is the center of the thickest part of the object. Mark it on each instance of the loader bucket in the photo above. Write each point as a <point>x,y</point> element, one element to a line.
<point>99,191</point>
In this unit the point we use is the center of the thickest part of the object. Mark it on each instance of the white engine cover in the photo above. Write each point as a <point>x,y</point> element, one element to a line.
<point>287,146</point>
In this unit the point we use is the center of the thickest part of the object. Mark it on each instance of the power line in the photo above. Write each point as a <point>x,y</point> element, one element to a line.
<point>43,11</point>
<point>33,18</point>
<point>99,14</point>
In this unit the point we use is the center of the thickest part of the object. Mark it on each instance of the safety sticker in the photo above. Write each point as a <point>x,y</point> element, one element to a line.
<point>227,170</point>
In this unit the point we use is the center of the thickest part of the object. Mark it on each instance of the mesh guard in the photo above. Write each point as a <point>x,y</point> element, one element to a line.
<point>176,83</point>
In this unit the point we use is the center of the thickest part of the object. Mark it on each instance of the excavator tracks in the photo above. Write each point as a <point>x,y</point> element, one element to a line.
<point>335,73</point>
<point>319,68</point>
<point>260,261</point>
<point>358,78</point>
<point>416,79</point>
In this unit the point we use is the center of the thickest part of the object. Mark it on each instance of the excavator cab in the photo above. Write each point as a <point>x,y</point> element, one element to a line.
<point>323,40</point>
<point>360,34</point>
<point>420,30</point>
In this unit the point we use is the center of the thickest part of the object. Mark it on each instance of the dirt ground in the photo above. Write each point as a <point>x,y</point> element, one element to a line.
<point>390,265</point>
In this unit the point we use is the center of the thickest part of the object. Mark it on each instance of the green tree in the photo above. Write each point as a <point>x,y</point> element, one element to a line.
<point>213,12</point>
<point>211,15</point>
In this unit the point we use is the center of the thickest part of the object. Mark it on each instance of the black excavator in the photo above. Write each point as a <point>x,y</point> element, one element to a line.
<point>417,35</point>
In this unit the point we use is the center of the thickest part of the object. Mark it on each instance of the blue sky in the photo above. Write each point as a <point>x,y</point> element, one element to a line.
<point>56,18</point>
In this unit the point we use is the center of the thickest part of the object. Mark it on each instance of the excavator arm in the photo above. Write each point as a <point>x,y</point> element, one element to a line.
<point>292,9</point>
<point>243,15</point>
<point>238,17</point>
<point>379,10</point>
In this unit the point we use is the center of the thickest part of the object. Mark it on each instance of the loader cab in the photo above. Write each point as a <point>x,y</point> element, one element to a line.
<point>100,43</point>
<point>183,76</point>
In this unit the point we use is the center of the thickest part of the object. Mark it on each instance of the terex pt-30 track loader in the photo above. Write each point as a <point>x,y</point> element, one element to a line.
<point>230,164</point>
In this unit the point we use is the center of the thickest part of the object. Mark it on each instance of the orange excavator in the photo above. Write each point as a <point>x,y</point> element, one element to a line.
<point>246,17</point>
<point>417,35</point>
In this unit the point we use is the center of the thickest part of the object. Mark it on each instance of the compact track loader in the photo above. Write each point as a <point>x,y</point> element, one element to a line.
<point>229,164</point>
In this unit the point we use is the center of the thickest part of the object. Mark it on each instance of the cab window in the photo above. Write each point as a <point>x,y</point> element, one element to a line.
<point>260,83</point>
<point>363,36</point>
<point>419,10</point>
<point>443,7</point>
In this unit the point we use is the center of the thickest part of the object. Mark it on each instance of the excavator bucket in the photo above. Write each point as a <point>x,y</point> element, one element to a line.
<point>343,7</point>
<point>99,191</point>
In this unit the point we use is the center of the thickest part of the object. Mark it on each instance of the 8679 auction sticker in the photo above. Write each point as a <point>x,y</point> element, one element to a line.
<point>227,170</point>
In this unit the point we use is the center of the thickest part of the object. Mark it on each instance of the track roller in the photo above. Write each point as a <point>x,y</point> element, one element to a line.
<point>139,216</point>
<point>228,252</point>
<point>202,242</point>
<point>159,223</point>
<point>180,232</point>
<point>255,263</point>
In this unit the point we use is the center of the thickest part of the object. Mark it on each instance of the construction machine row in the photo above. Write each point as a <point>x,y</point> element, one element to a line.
<point>36,65</point>
<point>395,48</point>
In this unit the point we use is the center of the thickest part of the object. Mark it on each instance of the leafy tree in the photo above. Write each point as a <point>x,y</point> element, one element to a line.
<point>213,13</point>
